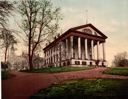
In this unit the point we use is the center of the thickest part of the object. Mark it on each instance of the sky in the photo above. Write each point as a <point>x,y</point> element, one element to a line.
<point>109,16</point>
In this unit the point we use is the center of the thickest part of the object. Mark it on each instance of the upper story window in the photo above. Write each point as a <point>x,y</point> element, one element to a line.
<point>87,31</point>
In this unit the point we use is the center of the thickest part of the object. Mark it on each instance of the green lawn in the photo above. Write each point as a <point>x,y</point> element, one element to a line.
<point>57,69</point>
<point>117,71</point>
<point>86,89</point>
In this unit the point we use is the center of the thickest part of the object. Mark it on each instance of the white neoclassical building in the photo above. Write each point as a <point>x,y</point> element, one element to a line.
<point>79,46</point>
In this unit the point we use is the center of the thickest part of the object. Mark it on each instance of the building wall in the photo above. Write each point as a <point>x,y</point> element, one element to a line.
<point>56,56</point>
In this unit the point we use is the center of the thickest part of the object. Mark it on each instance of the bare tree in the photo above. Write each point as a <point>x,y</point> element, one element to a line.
<point>5,9</point>
<point>121,59</point>
<point>6,37</point>
<point>39,21</point>
<point>8,40</point>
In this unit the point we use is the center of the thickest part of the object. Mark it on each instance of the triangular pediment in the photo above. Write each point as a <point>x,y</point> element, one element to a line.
<point>89,29</point>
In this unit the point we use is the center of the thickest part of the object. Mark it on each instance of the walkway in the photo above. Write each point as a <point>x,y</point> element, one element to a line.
<point>24,85</point>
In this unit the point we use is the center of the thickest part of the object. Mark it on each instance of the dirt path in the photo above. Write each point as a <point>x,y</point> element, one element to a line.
<point>24,85</point>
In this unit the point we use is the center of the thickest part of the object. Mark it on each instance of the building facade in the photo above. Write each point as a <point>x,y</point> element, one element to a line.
<point>79,46</point>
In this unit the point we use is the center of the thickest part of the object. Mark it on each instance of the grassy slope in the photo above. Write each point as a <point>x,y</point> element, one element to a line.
<point>57,69</point>
<point>100,88</point>
<point>117,71</point>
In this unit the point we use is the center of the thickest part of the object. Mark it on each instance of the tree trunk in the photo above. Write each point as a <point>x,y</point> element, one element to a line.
<point>30,62</point>
<point>29,43</point>
<point>5,57</point>
<point>30,56</point>
<point>29,53</point>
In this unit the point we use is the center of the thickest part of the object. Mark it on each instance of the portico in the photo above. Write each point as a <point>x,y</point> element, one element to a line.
<point>80,46</point>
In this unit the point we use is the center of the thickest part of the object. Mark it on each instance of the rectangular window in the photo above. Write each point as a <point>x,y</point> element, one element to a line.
<point>77,63</point>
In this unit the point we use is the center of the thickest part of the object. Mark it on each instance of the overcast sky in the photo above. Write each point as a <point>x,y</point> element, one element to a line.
<point>109,16</point>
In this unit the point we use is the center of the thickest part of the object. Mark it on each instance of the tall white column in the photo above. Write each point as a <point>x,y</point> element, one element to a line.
<point>52,54</point>
<point>92,49</point>
<point>49,56</point>
<point>86,49</point>
<point>66,48</point>
<point>104,54</point>
<point>98,50</point>
<point>79,47</point>
<point>60,52</point>
<point>45,57</point>
<point>71,46</point>
<point>55,53</point>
